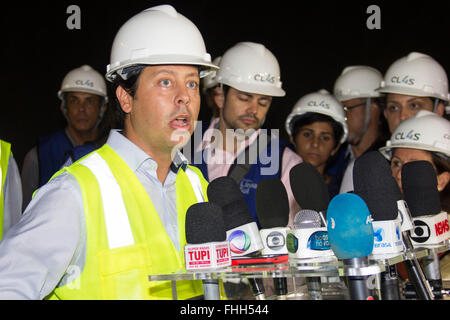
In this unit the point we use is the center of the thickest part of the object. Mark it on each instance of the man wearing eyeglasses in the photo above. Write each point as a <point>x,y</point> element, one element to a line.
<point>356,90</point>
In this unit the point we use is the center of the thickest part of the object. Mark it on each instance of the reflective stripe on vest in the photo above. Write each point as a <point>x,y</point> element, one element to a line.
<point>118,227</point>
<point>116,218</point>
<point>5,151</point>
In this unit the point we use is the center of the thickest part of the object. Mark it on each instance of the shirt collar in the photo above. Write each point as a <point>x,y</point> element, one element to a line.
<point>206,141</point>
<point>135,156</point>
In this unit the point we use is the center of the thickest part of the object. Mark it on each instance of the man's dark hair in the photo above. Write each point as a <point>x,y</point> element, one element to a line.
<point>130,85</point>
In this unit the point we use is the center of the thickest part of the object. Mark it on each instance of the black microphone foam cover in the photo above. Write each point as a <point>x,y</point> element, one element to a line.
<point>272,204</point>
<point>419,183</point>
<point>204,223</point>
<point>308,187</point>
<point>225,193</point>
<point>373,182</point>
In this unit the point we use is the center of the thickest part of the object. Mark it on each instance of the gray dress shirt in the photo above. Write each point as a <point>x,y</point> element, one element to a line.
<point>12,191</point>
<point>47,247</point>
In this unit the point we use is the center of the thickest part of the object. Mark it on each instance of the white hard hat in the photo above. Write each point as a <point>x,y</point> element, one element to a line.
<point>319,102</point>
<point>425,131</point>
<point>417,74</point>
<point>84,79</point>
<point>210,80</point>
<point>158,35</point>
<point>251,67</point>
<point>358,82</point>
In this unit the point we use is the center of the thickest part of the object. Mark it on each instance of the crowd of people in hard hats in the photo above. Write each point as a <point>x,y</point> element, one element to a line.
<point>94,211</point>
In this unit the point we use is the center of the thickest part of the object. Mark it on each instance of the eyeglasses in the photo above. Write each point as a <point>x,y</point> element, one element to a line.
<point>347,109</point>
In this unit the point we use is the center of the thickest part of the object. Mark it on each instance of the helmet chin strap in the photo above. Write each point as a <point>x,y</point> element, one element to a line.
<point>366,119</point>
<point>435,105</point>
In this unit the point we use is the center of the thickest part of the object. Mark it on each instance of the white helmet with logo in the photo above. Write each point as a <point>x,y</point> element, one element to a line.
<point>84,79</point>
<point>158,35</point>
<point>425,131</point>
<point>417,74</point>
<point>319,102</point>
<point>357,82</point>
<point>251,67</point>
<point>210,81</point>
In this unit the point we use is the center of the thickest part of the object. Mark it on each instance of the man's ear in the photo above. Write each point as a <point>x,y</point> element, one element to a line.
<point>335,149</point>
<point>443,180</point>
<point>124,98</point>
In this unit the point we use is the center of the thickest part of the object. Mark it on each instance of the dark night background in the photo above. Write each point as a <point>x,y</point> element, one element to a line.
<point>312,40</point>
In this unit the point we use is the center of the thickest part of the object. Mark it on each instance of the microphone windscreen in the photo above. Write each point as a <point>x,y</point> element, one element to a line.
<point>225,193</point>
<point>419,183</point>
<point>373,182</point>
<point>204,223</point>
<point>307,219</point>
<point>308,187</point>
<point>272,204</point>
<point>349,226</point>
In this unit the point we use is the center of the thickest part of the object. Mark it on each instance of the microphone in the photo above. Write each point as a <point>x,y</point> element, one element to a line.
<point>207,247</point>
<point>272,207</point>
<point>241,230</point>
<point>309,239</point>
<point>350,232</point>
<point>309,188</point>
<point>373,182</point>
<point>420,190</point>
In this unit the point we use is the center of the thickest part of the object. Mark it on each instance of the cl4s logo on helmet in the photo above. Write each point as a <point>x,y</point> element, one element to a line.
<point>411,135</point>
<point>314,103</point>
<point>405,80</point>
<point>84,83</point>
<point>264,77</point>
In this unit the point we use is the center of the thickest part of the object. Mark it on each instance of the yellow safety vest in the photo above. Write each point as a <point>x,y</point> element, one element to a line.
<point>5,152</point>
<point>126,241</point>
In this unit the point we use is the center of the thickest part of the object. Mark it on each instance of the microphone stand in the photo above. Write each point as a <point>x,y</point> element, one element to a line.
<point>211,289</point>
<point>357,285</point>
<point>415,272</point>
<point>257,288</point>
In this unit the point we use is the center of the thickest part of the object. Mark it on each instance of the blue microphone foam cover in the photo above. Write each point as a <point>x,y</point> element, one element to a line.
<point>350,230</point>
